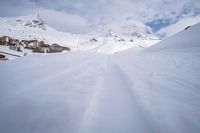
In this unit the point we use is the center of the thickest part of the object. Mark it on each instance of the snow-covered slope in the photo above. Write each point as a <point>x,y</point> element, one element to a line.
<point>187,40</point>
<point>31,27</point>
<point>119,34</point>
<point>81,92</point>
<point>110,38</point>
<point>124,29</point>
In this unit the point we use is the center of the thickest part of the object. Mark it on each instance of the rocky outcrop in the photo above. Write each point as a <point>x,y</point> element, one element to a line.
<point>55,48</point>
<point>3,57</point>
<point>187,27</point>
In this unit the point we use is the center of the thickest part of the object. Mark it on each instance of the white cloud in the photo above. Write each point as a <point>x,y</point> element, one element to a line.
<point>62,21</point>
<point>79,15</point>
<point>178,26</point>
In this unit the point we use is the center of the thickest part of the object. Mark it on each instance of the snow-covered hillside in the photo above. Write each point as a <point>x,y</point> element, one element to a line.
<point>120,34</point>
<point>187,40</point>
<point>31,27</point>
<point>124,29</point>
<point>111,37</point>
<point>155,90</point>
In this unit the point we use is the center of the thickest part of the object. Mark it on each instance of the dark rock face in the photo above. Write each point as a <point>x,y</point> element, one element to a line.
<point>2,56</point>
<point>37,22</point>
<point>187,27</point>
<point>66,48</point>
<point>93,40</point>
<point>55,48</point>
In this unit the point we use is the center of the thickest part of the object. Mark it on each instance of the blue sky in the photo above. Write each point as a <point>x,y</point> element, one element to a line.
<point>158,24</point>
<point>165,17</point>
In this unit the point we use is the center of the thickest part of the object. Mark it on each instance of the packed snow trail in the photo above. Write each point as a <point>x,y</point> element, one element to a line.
<point>142,91</point>
<point>113,107</point>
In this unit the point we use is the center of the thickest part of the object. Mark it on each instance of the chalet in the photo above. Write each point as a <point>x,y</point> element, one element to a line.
<point>13,42</point>
<point>41,44</point>
<point>16,48</point>
<point>33,43</point>
<point>42,50</point>
<point>55,45</point>
<point>5,40</point>
<point>23,43</point>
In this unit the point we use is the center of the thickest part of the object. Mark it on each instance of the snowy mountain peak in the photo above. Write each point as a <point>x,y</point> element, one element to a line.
<point>32,21</point>
<point>124,28</point>
<point>31,27</point>
<point>23,22</point>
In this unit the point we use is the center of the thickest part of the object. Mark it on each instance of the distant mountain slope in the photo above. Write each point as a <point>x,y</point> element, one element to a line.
<point>125,29</point>
<point>116,35</point>
<point>111,37</point>
<point>31,27</point>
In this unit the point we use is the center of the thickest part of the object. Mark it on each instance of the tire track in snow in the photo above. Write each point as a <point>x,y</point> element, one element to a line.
<point>90,115</point>
<point>145,122</point>
<point>113,107</point>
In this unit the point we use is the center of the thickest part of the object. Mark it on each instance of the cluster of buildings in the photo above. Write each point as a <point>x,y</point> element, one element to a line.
<point>34,45</point>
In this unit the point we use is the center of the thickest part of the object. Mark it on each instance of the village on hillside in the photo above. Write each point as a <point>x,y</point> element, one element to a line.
<point>35,46</point>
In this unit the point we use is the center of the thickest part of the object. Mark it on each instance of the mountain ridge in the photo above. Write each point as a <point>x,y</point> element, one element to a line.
<point>125,34</point>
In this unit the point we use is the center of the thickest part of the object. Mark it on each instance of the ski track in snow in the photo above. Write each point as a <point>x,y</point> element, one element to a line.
<point>119,108</point>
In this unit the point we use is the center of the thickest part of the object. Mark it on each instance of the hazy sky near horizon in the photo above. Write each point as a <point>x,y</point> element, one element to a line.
<point>80,16</point>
